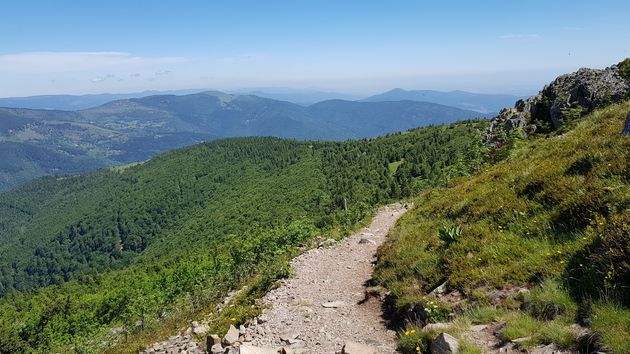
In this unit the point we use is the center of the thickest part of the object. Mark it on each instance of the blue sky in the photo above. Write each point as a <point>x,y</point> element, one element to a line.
<point>350,46</point>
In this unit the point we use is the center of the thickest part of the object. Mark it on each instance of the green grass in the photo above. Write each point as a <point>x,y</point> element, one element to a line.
<point>549,301</point>
<point>541,213</point>
<point>483,314</point>
<point>612,322</point>
<point>519,325</point>
<point>392,167</point>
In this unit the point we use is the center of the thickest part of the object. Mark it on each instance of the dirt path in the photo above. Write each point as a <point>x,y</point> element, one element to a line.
<point>318,309</point>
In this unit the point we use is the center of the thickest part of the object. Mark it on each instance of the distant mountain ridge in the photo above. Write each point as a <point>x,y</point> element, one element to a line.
<point>42,142</point>
<point>77,102</point>
<point>304,97</point>
<point>479,102</point>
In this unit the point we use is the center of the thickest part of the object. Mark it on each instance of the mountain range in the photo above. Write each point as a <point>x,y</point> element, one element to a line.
<point>302,97</point>
<point>483,103</point>
<point>76,102</point>
<point>43,142</point>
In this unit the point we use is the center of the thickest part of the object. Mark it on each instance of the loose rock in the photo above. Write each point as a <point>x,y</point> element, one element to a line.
<point>231,337</point>
<point>357,348</point>
<point>333,304</point>
<point>250,349</point>
<point>444,343</point>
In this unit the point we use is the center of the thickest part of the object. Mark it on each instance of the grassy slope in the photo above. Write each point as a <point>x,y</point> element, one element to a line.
<point>539,216</point>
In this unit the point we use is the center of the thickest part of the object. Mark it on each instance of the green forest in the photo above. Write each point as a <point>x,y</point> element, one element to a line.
<point>134,247</point>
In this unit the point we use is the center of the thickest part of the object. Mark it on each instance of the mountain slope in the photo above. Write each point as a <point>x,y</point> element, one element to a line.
<point>483,103</point>
<point>160,240</point>
<point>367,119</point>
<point>136,129</point>
<point>552,217</point>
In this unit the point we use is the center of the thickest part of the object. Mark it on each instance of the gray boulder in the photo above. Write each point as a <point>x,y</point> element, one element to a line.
<point>626,128</point>
<point>567,98</point>
<point>444,343</point>
<point>580,92</point>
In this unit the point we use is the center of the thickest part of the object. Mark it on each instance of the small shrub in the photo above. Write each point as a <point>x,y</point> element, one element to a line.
<point>450,234</point>
<point>433,311</point>
<point>413,341</point>
<point>603,268</point>
<point>549,301</point>
<point>583,165</point>
<point>578,209</point>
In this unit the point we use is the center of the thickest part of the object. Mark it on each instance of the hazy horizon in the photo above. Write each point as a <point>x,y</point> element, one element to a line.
<point>360,48</point>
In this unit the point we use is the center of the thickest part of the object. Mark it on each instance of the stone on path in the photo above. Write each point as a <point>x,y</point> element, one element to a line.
<point>250,349</point>
<point>231,337</point>
<point>333,304</point>
<point>357,348</point>
<point>444,343</point>
<point>216,349</point>
<point>212,340</point>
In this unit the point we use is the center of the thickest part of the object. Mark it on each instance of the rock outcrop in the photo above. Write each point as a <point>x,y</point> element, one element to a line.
<point>567,98</point>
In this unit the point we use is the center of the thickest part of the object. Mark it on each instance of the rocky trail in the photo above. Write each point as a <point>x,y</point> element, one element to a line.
<point>321,308</point>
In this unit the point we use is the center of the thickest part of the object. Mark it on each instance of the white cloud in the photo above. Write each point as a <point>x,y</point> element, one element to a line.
<point>103,78</point>
<point>239,58</point>
<point>58,62</point>
<point>520,36</point>
<point>162,72</point>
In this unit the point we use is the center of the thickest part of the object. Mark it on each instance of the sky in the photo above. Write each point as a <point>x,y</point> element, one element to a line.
<point>359,47</point>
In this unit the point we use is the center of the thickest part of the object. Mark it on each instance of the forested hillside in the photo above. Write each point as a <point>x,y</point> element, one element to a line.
<point>36,143</point>
<point>138,246</point>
